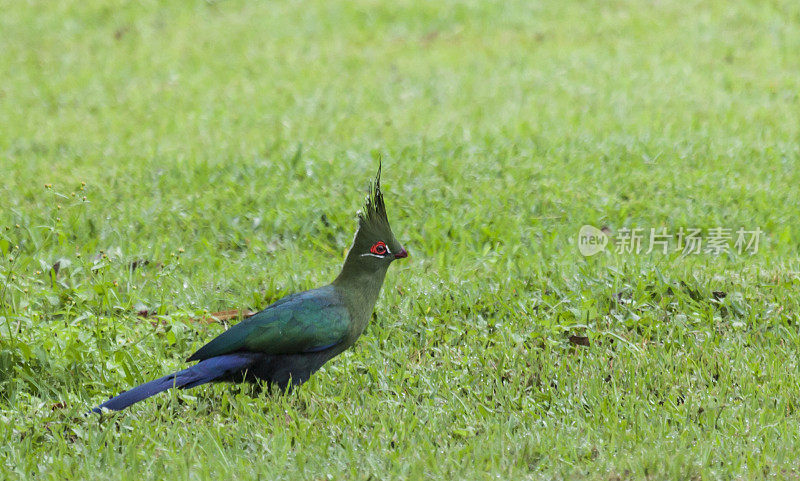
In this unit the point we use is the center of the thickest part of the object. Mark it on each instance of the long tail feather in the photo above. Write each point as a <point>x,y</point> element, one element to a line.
<point>201,373</point>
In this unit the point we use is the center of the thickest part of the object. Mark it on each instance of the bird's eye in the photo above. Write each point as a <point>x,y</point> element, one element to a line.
<point>379,248</point>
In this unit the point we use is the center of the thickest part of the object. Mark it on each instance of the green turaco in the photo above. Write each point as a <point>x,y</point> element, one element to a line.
<point>292,338</point>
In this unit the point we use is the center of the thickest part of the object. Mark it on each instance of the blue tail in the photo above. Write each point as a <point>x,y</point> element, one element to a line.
<point>201,373</point>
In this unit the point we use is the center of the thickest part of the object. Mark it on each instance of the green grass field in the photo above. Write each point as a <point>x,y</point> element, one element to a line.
<point>210,155</point>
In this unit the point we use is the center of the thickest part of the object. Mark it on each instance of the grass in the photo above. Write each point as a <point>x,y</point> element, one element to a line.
<point>211,155</point>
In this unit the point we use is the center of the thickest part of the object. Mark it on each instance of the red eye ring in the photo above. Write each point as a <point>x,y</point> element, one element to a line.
<point>379,248</point>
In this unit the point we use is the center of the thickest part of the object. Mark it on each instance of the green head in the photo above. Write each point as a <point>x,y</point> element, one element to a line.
<point>374,246</point>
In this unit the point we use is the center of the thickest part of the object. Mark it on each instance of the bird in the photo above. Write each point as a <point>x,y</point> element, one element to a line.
<point>292,338</point>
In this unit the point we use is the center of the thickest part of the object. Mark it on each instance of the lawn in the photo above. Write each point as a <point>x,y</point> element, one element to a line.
<point>165,160</point>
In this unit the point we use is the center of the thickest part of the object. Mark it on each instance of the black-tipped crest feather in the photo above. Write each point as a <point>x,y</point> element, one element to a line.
<point>374,212</point>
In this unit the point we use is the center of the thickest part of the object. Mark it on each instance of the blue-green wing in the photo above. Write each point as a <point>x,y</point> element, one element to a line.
<point>306,322</point>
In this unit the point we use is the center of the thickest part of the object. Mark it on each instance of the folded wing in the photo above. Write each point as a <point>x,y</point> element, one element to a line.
<point>305,322</point>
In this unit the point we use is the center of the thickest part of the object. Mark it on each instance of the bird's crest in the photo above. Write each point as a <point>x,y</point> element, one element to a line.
<point>373,216</point>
